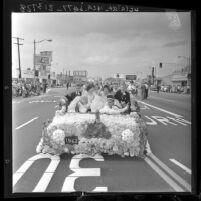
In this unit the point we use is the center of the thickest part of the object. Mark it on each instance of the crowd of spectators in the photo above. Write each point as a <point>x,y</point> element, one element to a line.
<point>26,88</point>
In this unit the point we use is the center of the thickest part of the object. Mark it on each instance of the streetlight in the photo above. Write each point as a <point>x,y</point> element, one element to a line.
<point>49,40</point>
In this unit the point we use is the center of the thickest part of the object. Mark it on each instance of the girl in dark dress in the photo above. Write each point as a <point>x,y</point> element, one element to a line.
<point>123,97</point>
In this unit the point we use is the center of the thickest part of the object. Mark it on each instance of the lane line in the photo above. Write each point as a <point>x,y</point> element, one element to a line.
<point>26,123</point>
<point>163,99</point>
<point>163,110</point>
<point>181,165</point>
<point>101,189</point>
<point>170,172</point>
<point>164,175</point>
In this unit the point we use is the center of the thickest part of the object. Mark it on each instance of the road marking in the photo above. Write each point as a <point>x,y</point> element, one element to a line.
<point>163,110</point>
<point>101,189</point>
<point>68,185</point>
<point>25,166</point>
<point>181,165</point>
<point>47,176</point>
<point>173,174</point>
<point>164,176</point>
<point>164,99</point>
<point>163,120</point>
<point>26,123</point>
<point>152,121</point>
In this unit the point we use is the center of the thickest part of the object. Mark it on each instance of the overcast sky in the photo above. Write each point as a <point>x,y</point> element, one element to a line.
<point>104,43</point>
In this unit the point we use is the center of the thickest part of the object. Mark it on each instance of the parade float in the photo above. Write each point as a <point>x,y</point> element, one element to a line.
<point>76,133</point>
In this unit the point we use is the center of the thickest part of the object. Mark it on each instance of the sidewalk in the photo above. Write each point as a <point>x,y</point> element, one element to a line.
<point>20,98</point>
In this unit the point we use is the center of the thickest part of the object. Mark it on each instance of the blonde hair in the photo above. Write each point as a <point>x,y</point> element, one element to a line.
<point>84,98</point>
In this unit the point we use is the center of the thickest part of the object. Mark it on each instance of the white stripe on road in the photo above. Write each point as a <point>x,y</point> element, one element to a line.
<point>164,176</point>
<point>26,123</point>
<point>163,110</point>
<point>101,189</point>
<point>173,174</point>
<point>164,99</point>
<point>181,165</point>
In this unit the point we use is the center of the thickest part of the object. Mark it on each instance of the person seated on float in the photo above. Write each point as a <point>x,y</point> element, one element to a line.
<point>111,108</point>
<point>77,92</point>
<point>62,106</point>
<point>79,104</point>
<point>123,96</point>
<point>82,105</point>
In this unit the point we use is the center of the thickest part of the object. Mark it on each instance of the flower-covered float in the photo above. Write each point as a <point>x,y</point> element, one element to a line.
<point>76,133</point>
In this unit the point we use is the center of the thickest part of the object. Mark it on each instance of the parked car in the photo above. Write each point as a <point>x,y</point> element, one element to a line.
<point>153,88</point>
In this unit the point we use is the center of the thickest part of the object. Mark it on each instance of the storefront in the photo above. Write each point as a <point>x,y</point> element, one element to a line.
<point>181,80</point>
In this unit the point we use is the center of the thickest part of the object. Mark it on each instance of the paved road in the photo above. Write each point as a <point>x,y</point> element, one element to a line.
<point>168,168</point>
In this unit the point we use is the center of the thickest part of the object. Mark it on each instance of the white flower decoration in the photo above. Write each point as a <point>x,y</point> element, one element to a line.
<point>58,136</point>
<point>127,135</point>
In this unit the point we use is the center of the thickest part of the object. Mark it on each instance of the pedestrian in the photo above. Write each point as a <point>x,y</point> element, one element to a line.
<point>146,90</point>
<point>158,88</point>
<point>67,85</point>
<point>44,87</point>
<point>143,91</point>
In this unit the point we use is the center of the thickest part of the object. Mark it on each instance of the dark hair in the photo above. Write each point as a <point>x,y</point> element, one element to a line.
<point>90,86</point>
<point>110,96</point>
<point>106,87</point>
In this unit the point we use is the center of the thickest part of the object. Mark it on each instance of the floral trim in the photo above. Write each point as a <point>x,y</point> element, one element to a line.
<point>125,135</point>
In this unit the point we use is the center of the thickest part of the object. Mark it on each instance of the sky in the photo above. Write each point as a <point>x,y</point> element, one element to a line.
<point>105,43</point>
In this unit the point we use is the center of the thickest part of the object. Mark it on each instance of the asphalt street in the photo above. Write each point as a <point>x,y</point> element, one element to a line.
<point>167,169</point>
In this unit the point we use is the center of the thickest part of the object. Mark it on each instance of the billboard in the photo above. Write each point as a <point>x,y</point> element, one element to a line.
<point>131,77</point>
<point>42,60</point>
<point>47,54</point>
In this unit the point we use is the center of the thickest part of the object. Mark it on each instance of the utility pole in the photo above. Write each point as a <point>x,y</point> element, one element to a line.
<point>18,44</point>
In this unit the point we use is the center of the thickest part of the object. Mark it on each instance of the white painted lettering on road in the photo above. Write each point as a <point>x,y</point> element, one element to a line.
<point>26,123</point>
<point>180,120</point>
<point>69,182</point>
<point>163,120</point>
<point>45,179</point>
<point>181,165</point>
<point>166,120</point>
<point>26,165</point>
<point>152,121</point>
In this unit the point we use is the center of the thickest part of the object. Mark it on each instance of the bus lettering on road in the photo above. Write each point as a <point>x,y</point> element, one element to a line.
<point>69,182</point>
<point>153,121</point>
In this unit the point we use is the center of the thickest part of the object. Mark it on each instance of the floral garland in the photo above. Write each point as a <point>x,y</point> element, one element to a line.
<point>115,134</point>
